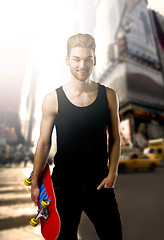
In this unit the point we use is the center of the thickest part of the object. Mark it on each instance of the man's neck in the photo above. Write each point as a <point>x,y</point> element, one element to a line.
<point>81,86</point>
<point>81,93</point>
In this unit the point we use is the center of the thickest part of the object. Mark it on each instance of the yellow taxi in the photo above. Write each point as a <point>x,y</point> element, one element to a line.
<point>154,152</point>
<point>136,161</point>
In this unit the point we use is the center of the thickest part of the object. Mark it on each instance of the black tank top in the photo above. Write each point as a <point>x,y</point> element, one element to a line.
<point>81,140</point>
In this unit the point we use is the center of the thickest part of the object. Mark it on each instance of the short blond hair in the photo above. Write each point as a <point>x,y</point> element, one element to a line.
<point>81,40</point>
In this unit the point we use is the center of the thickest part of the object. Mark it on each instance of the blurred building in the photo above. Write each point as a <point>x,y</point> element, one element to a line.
<point>28,105</point>
<point>131,63</point>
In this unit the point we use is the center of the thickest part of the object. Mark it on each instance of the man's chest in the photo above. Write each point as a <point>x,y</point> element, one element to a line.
<point>82,99</point>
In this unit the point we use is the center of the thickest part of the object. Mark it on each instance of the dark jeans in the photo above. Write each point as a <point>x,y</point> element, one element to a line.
<point>99,205</point>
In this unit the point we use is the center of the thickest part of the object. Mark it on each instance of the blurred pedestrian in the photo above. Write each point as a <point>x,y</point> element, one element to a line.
<point>140,138</point>
<point>26,159</point>
<point>82,112</point>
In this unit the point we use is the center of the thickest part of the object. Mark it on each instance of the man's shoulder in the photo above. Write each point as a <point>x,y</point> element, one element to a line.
<point>51,97</point>
<point>110,92</point>
<point>50,102</point>
<point>112,97</point>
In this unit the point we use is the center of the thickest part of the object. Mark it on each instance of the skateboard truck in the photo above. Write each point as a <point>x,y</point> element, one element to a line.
<point>42,212</point>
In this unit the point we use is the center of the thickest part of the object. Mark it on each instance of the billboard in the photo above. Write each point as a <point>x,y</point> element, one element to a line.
<point>140,37</point>
<point>135,26</point>
<point>125,133</point>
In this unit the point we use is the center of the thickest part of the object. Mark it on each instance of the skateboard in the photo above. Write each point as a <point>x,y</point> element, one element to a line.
<point>47,211</point>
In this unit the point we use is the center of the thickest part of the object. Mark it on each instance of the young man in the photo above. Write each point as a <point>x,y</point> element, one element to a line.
<point>82,112</point>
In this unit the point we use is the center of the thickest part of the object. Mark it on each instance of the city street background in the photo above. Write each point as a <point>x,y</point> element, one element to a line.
<point>139,194</point>
<point>129,38</point>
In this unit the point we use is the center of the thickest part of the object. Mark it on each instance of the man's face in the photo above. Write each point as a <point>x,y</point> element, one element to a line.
<point>81,62</point>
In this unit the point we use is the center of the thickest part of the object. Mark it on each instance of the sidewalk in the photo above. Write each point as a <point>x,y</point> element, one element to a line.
<point>24,233</point>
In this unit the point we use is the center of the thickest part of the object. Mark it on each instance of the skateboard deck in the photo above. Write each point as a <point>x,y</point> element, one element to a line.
<point>47,212</point>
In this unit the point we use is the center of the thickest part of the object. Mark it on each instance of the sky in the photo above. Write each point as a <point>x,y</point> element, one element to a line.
<point>24,28</point>
<point>157,5</point>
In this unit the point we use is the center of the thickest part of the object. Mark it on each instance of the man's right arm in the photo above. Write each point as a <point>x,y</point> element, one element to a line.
<point>49,111</point>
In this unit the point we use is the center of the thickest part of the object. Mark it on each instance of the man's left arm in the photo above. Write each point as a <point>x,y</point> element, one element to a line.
<point>114,143</point>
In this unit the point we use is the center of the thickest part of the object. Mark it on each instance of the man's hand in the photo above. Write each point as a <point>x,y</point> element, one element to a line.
<point>108,182</point>
<point>35,192</point>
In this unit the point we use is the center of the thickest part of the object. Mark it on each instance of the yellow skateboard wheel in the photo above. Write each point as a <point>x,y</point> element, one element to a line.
<point>27,181</point>
<point>34,222</point>
<point>45,204</point>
